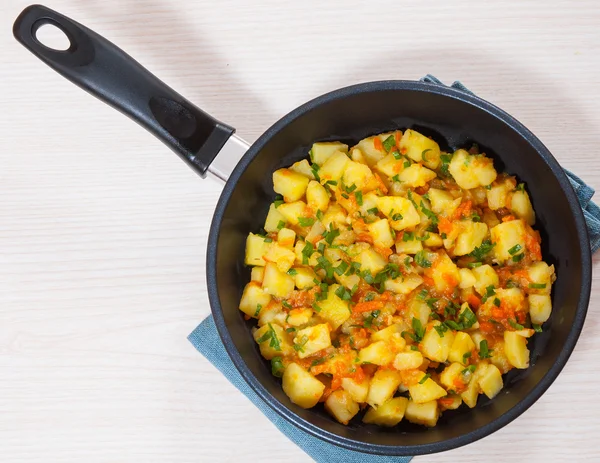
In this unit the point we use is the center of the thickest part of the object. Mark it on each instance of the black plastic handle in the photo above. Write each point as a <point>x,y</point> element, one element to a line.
<point>107,72</point>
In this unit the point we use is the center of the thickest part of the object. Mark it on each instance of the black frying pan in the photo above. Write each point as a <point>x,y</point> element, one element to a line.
<point>453,118</point>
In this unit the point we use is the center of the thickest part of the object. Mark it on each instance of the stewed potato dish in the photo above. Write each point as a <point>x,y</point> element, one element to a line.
<point>396,279</point>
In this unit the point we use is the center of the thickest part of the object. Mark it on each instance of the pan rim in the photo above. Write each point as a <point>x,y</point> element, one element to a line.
<point>417,449</point>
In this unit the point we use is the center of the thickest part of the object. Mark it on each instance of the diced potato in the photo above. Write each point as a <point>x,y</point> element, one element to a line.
<point>286,237</point>
<point>292,211</point>
<point>253,297</point>
<point>335,215</point>
<point>403,284</point>
<point>357,174</point>
<point>358,390</point>
<point>541,273</point>
<point>394,207</point>
<point>450,402</point>
<point>290,184</point>
<point>442,202</point>
<point>369,202</point>
<point>497,196</point>
<point>416,176</point>
<point>257,274</point>
<point>420,148</point>
<point>451,374</point>
<point>506,236</point>
<point>334,167</point>
<point>540,308</point>
<point>387,333</point>
<point>520,205</point>
<point>282,257</point>
<point>349,281</point>
<point>357,156</point>
<point>499,357</point>
<point>317,196</point>
<point>322,151</point>
<point>276,282</point>
<point>269,349</point>
<point>371,260</point>
<point>389,414</point>
<point>383,386</point>
<point>515,348</point>
<point>434,241</point>
<point>490,381</point>
<point>426,414</point>
<point>312,339</point>
<point>316,232</point>
<point>303,167</point>
<point>461,345</point>
<point>273,313</point>
<point>417,309</point>
<point>408,247</point>
<point>274,217</point>
<point>342,406</point>
<point>304,278</point>
<point>299,317</point>
<point>408,360</point>
<point>485,276</point>
<point>381,233</point>
<point>389,165</point>
<point>256,248</point>
<point>377,353</point>
<point>470,171</point>
<point>371,154</point>
<point>470,395</point>
<point>333,309</point>
<point>301,387</point>
<point>466,278</point>
<point>436,347</point>
<point>471,236</point>
<point>444,273</point>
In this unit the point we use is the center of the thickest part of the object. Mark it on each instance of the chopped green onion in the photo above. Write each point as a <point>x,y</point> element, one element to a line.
<point>516,248</point>
<point>359,198</point>
<point>292,272</point>
<point>277,367</point>
<point>373,210</point>
<point>424,378</point>
<point>389,143</point>
<point>537,285</point>
<point>518,257</point>
<point>484,351</point>
<point>424,153</point>
<point>258,309</point>
<point>421,259</point>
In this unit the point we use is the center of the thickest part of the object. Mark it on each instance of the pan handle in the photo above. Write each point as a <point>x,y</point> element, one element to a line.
<point>108,73</point>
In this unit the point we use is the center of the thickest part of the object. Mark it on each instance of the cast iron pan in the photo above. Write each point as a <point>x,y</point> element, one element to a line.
<point>453,118</point>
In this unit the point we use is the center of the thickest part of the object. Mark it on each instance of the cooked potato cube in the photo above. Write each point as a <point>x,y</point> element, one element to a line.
<point>383,386</point>
<point>256,249</point>
<point>541,274</point>
<point>369,202</point>
<point>490,381</point>
<point>389,165</point>
<point>408,360</point>
<point>299,317</point>
<point>301,387</point>
<point>416,176</point>
<point>358,390</point>
<point>253,297</point>
<point>444,273</point>
<point>341,406</point>
<point>290,184</point>
<point>452,375</point>
<point>434,346</point>
<point>470,395</point>
<point>420,148</point>
<point>292,211</point>
<point>357,174</point>
<point>417,309</point>
<point>400,211</point>
<point>389,414</point>
<point>450,402</point>
<point>425,413</point>
<point>371,153</point>
<point>273,341</point>
<point>312,339</point>
<point>470,237</point>
<point>370,260</point>
<point>357,156</point>
<point>335,215</point>
<point>282,257</point>
<point>540,308</point>
<point>403,284</point>
<point>286,237</point>
<point>257,273</point>
<point>509,239</point>
<point>304,278</point>
<point>316,232</point>
<point>520,205</point>
<point>334,167</point>
<point>378,353</point>
<point>408,247</point>
<point>321,152</point>
<point>434,240</point>
<point>303,167</point>
<point>333,309</point>
<point>515,348</point>
<point>466,278</point>
<point>273,313</point>
<point>497,196</point>
<point>442,202</point>
<point>461,346</point>
<point>317,196</point>
<point>381,233</point>
<point>276,282</point>
<point>485,276</point>
<point>470,171</point>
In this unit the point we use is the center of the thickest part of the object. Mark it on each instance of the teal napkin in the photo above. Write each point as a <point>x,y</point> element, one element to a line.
<point>207,341</point>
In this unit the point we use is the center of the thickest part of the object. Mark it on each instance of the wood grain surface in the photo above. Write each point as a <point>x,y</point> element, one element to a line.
<point>103,231</point>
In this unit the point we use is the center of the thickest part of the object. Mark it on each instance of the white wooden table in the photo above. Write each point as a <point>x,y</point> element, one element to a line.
<point>103,231</point>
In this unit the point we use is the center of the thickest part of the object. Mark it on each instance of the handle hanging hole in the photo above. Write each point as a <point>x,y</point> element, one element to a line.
<point>52,37</point>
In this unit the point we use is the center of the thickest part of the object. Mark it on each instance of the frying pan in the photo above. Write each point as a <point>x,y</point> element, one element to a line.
<point>452,117</point>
